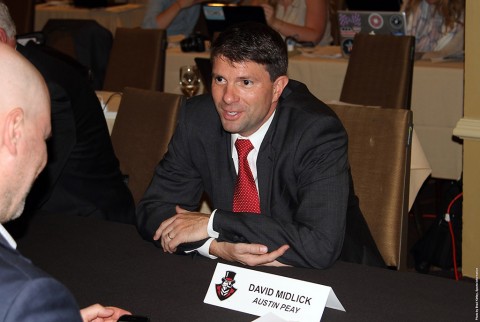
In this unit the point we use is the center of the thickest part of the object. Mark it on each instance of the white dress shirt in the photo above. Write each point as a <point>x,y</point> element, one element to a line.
<point>256,139</point>
<point>8,237</point>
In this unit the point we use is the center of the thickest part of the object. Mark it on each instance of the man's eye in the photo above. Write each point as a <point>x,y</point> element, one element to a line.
<point>219,79</point>
<point>247,82</point>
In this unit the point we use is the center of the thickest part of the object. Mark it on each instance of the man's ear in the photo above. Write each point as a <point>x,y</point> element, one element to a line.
<point>278,87</point>
<point>13,129</point>
<point>3,36</point>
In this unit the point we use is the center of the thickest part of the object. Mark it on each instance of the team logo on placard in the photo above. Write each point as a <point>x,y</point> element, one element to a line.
<point>226,289</point>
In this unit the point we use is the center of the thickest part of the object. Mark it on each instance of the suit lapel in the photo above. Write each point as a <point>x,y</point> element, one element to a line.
<point>223,173</point>
<point>265,163</point>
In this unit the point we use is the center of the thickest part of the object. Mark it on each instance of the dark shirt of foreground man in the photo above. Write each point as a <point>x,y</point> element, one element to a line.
<point>82,176</point>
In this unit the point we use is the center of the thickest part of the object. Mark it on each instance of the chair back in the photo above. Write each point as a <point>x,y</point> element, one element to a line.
<point>333,7</point>
<point>84,40</point>
<point>380,71</point>
<point>137,59</point>
<point>204,66</point>
<point>23,14</point>
<point>143,128</point>
<point>379,153</point>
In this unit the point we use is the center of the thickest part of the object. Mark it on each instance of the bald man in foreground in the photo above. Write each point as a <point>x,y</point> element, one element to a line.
<point>27,293</point>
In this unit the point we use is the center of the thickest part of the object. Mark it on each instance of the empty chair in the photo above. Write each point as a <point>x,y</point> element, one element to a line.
<point>143,127</point>
<point>137,59</point>
<point>85,40</point>
<point>379,153</point>
<point>380,71</point>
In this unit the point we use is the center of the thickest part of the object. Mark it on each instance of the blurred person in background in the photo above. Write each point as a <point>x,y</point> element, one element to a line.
<point>438,25</point>
<point>177,17</point>
<point>304,20</point>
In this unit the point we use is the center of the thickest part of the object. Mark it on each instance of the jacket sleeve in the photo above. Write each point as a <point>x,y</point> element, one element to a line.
<point>308,199</point>
<point>42,299</point>
<point>175,181</point>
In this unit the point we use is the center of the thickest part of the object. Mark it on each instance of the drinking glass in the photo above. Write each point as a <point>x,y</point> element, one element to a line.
<point>189,80</point>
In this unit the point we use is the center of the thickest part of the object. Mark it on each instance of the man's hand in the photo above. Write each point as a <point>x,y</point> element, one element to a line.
<point>247,254</point>
<point>99,313</point>
<point>184,227</point>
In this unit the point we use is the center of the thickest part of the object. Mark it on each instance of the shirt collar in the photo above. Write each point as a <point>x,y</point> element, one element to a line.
<point>257,137</point>
<point>8,237</point>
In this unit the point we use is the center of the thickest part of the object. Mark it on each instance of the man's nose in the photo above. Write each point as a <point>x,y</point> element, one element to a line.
<point>230,94</point>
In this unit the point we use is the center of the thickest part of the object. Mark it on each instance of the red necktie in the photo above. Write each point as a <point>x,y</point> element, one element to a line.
<point>245,197</point>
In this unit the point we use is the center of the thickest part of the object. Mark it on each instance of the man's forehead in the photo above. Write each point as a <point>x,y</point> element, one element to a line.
<point>239,66</point>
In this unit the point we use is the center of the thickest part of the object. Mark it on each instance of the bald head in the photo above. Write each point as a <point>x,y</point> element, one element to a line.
<point>21,84</point>
<point>24,127</point>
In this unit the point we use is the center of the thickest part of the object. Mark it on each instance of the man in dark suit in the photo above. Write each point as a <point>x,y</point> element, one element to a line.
<point>82,175</point>
<point>27,293</point>
<point>299,166</point>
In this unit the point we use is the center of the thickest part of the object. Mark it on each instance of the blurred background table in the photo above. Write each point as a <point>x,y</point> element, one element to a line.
<point>437,97</point>
<point>128,15</point>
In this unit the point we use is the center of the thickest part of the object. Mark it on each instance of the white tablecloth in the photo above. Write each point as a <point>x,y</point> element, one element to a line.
<point>129,15</point>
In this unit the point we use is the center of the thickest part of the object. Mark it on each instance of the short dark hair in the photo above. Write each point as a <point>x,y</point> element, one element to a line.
<point>255,42</point>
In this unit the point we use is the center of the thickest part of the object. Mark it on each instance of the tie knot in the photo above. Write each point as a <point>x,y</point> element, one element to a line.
<point>244,147</point>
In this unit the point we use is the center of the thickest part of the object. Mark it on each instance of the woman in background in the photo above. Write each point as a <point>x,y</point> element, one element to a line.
<point>178,17</point>
<point>438,25</point>
<point>304,20</point>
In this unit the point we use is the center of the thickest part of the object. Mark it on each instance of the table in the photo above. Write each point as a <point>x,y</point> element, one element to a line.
<point>109,263</point>
<point>128,15</point>
<point>437,98</point>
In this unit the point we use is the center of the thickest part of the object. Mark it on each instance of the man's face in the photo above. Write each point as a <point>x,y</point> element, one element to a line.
<point>244,95</point>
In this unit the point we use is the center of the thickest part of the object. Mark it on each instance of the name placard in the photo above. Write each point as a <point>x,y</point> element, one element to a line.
<point>259,293</point>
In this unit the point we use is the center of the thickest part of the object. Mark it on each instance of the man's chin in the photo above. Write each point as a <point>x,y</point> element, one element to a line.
<point>19,211</point>
<point>230,127</point>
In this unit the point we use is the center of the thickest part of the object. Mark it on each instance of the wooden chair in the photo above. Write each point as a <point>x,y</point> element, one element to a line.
<point>137,59</point>
<point>143,127</point>
<point>379,153</point>
<point>380,71</point>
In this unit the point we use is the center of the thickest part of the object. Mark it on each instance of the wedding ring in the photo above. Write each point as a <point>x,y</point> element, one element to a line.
<point>168,235</point>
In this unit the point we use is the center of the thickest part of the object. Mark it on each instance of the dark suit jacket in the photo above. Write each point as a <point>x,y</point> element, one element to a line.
<point>82,176</point>
<point>28,294</point>
<point>303,177</point>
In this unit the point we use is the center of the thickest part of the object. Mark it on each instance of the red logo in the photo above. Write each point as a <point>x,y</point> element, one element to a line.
<point>226,289</point>
<point>375,21</point>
